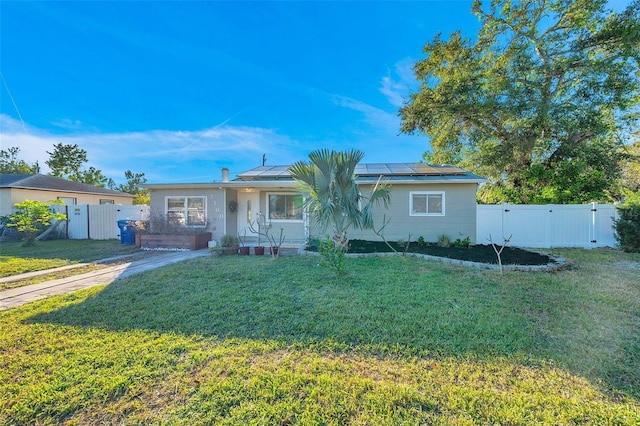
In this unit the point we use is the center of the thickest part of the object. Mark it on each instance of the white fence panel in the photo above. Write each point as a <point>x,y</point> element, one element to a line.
<point>77,219</point>
<point>569,226</point>
<point>534,220</point>
<point>489,223</point>
<point>545,226</point>
<point>99,222</point>
<point>603,226</point>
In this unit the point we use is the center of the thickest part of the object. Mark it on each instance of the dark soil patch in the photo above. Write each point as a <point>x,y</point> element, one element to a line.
<point>476,253</point>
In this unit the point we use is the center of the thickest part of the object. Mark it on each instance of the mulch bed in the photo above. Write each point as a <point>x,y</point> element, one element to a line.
<point>480,253</point>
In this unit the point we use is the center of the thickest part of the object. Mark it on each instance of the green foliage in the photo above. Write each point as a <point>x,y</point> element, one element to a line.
<point>11,164</point>
<point>333,256</point>
<point>333,196</point>
<point>32,216</point>
<point>133,186</point>
<point>228,241</point>
<point>421,242</point>
<point>444,240</point>
<point>539,104</point>
<point>627,226</point>
<point>631,166</point>
<point>67,162</point>
<point>462,243</point>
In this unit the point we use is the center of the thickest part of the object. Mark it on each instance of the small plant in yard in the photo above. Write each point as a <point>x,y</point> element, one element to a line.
<point>228,244</point>
<point>499,251</point>
<point>421,242</point>
<point>332,255</point>
<point>444,240</point>
<point>32,217</point>
<point>263,229</point>
<point>162,224</point>
<point>462,243</point>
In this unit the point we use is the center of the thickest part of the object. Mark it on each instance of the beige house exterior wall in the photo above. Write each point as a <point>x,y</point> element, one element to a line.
<point>459,220</point>
<point>216,210</point>
<point>292,230</point>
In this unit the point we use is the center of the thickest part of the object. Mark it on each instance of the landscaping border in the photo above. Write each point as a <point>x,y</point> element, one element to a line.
<point>558,263</point>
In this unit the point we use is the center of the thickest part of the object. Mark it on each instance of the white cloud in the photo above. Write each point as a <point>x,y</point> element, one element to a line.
<point>69,124</point>
<point>163,155</point>
<point>375,116</point>
<point>398,87</point>
<point>393,91</point>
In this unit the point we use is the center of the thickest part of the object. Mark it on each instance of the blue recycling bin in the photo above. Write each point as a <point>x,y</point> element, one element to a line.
<point>127,231</point>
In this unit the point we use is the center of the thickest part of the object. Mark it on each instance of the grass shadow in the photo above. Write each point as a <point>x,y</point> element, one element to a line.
<point>383,306</point>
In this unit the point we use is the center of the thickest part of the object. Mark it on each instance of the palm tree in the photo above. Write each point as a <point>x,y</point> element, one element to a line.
<point>333,196</point>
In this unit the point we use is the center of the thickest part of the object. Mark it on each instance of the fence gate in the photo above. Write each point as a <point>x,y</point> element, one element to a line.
<point>99,222</point>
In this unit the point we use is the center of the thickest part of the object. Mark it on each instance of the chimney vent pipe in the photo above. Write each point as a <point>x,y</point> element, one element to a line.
<point>225,174</point>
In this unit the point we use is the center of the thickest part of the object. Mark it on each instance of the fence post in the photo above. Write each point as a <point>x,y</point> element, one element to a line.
<point>592,231</point>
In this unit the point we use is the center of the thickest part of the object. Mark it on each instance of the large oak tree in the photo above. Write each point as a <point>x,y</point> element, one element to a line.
<point>540,103</point>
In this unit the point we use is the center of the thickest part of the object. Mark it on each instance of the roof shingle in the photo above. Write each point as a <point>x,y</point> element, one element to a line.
<point>50,183</point>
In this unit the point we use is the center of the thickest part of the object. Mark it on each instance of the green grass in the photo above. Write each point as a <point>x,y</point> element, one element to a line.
<point>247,340</point>
<point>15,259</point>
<point>52,276</point>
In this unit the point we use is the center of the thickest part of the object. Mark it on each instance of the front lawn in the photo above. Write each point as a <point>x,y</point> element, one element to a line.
<point>247,340</point>
<point>15,259</point>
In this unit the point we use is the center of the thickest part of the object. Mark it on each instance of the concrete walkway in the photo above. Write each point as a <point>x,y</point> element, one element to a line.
<point>19,296</point>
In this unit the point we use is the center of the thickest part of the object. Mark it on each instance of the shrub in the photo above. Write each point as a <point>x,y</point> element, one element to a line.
<point>332,255</point>
<point>462,243</point>
<point>421,242</point>
<point>627,226</point>
<point>161,224</point>
<point>444,240</point>
<point>228,240</point>
<point>32,217</point>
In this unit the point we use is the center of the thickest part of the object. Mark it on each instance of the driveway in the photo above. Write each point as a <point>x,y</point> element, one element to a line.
<point>19,296</point>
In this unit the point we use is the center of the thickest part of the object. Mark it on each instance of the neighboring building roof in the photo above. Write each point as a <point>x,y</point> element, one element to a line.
<point>50,183</point>
<point>394,172</point>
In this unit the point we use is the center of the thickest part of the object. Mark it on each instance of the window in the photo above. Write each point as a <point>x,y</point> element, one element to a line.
<point>69,201</point>
<point>285,206</point>
<point>105,201</point>
<point>426,203</point>
<point>188,211</point>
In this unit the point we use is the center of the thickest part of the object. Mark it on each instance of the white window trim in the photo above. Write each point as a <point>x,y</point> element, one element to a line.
<point>186,197</point>
<point>283,220</point>
<point>412,193</point>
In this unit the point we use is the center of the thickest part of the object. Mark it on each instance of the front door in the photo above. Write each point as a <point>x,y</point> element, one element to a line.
<point>248,208</point>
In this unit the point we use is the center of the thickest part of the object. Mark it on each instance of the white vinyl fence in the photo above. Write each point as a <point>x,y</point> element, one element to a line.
<point>546,226</point>
<point>99,222</point>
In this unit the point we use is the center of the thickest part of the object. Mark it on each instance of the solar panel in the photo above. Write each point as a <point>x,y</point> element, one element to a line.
<point>363,169</point>
<point>399,168</point>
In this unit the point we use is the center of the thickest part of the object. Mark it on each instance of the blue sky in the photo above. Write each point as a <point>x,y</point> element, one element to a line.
<point>178,90</point>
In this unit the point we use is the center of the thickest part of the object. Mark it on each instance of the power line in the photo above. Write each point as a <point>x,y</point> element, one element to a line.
<point>12,100</point>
